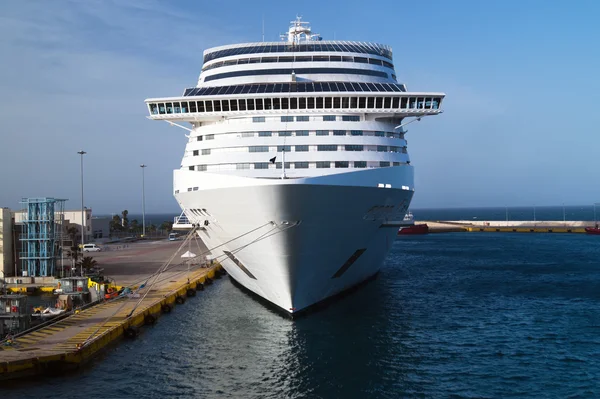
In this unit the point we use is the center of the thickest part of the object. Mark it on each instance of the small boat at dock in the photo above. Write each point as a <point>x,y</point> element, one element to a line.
<point>414,229</point>
<point>592,230</point>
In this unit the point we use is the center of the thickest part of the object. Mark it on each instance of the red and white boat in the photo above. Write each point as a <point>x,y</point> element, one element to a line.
<point>414,229</point>
<point>592,230</point>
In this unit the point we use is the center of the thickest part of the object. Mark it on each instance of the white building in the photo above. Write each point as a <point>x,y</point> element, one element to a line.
<point>6,243</point>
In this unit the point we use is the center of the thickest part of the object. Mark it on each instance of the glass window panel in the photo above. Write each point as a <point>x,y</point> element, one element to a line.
<point>354,147</point>
<point>326,147</point>
<point>372,87</point>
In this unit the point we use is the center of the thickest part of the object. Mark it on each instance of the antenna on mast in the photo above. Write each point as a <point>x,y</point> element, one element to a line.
<point>263,27</point>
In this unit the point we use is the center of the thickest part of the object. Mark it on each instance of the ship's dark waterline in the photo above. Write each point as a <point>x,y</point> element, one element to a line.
<point>449,315</point>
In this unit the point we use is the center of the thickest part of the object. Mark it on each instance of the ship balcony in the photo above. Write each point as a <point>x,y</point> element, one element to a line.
<point>203,108</point>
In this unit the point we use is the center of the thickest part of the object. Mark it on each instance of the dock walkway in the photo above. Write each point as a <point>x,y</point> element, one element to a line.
<point>77,338</point>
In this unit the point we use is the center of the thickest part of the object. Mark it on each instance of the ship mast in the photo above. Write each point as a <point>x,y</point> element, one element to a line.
<point>300,31</point>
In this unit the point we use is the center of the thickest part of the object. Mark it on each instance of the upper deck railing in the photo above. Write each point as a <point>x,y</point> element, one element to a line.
<point>305,47</point>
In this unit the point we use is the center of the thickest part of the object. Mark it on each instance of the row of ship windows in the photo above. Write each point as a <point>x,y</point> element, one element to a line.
<point>297,71</point>
<point>346,47</point>
<point>300,58</point>
<point>304,118</point>
<point>296,165</point>
<point>295,87</point>
<point>302,148</point>
<point>304,133</point>
<point>259,104</point>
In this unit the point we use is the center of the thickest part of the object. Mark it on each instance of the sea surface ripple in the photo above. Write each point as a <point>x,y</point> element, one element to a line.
<point>461,315</point>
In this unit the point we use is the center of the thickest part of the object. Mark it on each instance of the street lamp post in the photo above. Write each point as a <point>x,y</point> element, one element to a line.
<point>534,214</point>
<point>564,215</point>
<point>143,166</point>
<point>82,153</point>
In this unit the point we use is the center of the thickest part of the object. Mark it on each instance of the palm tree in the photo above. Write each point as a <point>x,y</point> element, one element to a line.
<point>115,224</point>
<point>134,226</point>
<point>166,226</point>
<point>87,263</point>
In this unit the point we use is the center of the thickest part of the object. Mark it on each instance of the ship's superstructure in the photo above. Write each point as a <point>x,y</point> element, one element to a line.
<point>296,164</point>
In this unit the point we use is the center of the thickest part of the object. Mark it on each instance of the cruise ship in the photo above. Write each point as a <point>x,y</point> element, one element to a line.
<point>296,172</point>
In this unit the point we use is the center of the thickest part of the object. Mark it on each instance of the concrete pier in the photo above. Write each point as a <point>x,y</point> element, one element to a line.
<point>511,226</point>
<point>76,339</point>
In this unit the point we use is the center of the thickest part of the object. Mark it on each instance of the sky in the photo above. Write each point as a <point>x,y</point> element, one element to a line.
<point>519,125</point>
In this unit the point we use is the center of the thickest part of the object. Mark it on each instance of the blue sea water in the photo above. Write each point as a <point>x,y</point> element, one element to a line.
<point>457,315</point>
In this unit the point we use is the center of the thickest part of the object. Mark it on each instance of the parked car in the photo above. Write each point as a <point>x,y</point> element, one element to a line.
<point>91,248</point>
<point>173,237</point>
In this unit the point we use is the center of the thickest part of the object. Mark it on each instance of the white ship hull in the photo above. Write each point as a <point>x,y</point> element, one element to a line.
<point>291,241</point>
